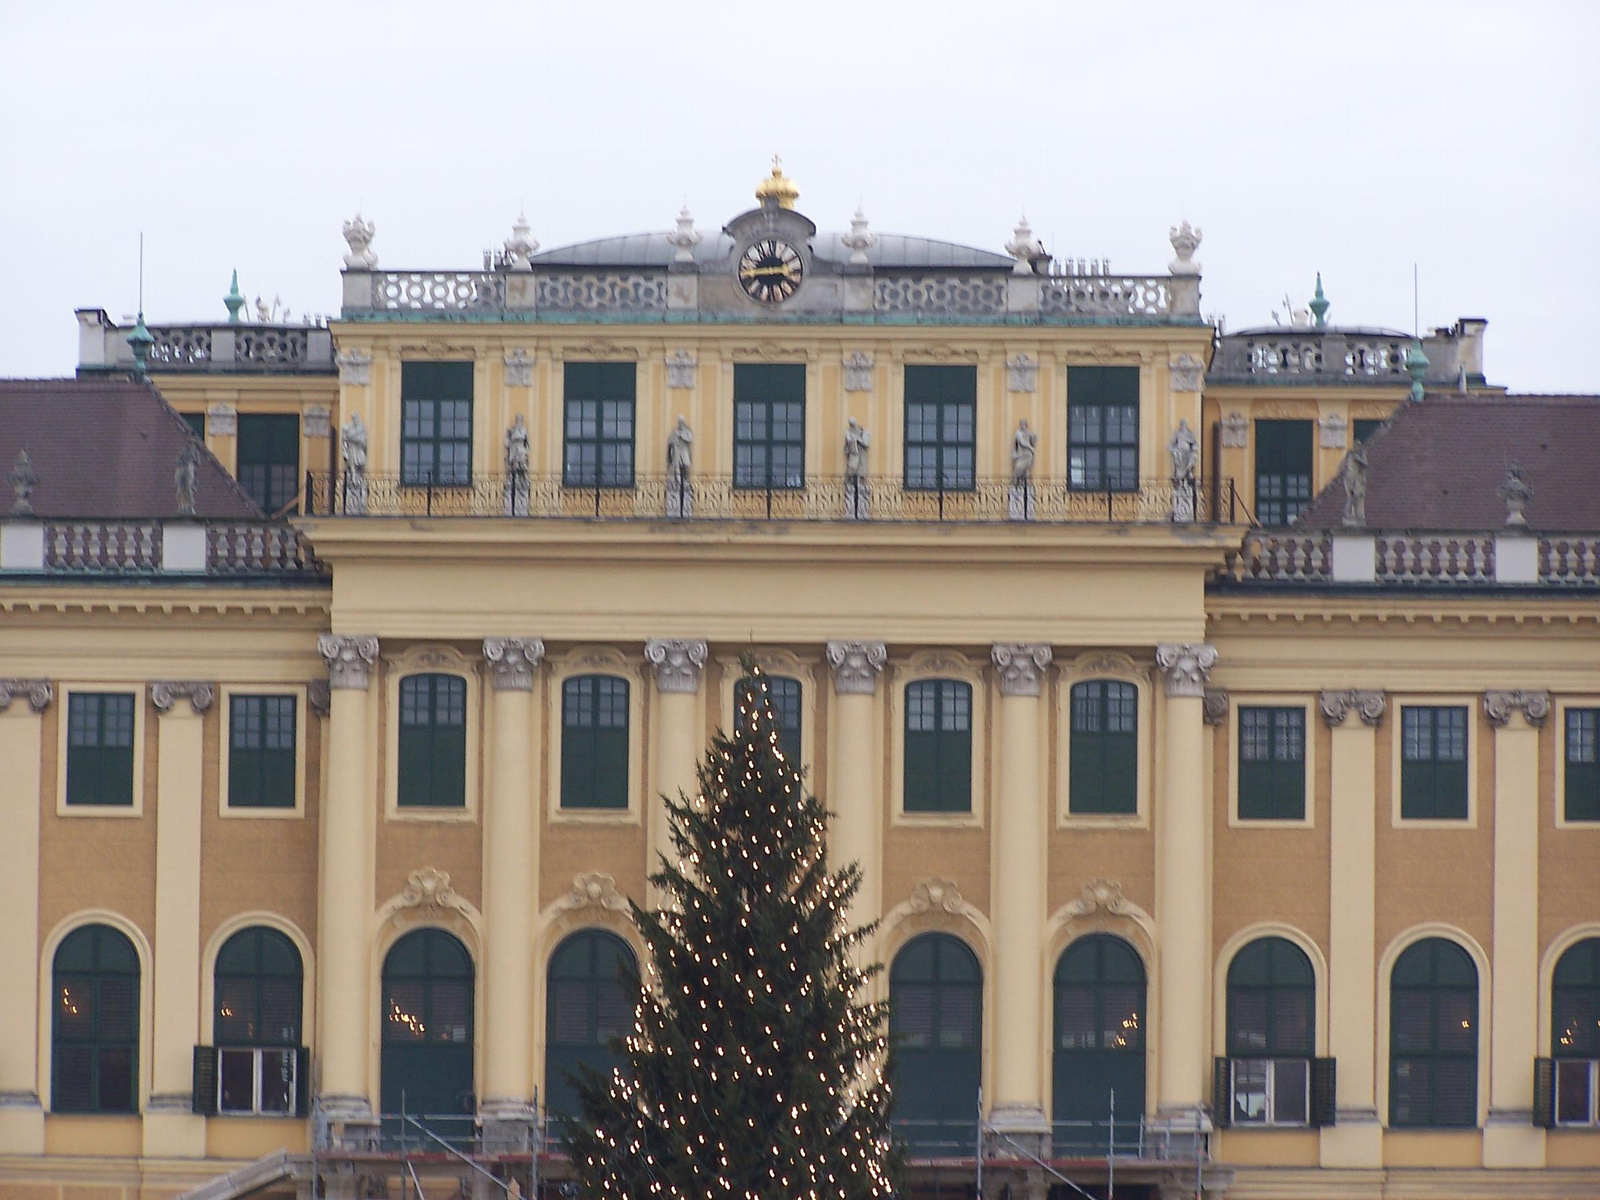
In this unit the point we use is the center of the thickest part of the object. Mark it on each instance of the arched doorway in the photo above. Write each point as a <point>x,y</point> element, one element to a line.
<point>426,1060</point>
<point>936,1026</point>
<point>591,987</point>
<point>1099,1044</point>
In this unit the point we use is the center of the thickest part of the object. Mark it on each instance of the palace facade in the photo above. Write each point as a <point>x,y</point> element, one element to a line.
<point>1213,716</point>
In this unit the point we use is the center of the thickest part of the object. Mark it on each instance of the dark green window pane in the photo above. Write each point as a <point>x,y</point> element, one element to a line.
<point>269,459</point>
<point>936,1023</point>
<point>196,421</point>
<point>1433,763</point>
<point>100,748</point>
<point>784,694</point>
<point>1271,1001</point>
<point>1272,757</point>
<point>940,419</point>
<point>1433,1037</point>
<point>1575,1002</point>
<point>592,986</point>
<point>261,751</point>
<point>427,1025</point>
<point>436,423</point>
<point>598,427</point>
<point>433,741</point>
<point>594,742</point>
<point>1104,748</point>
<point>95,1022</point>
<point>1582,769</point>
<point>938,746</point>
<point>1283,470</point>
<point>1363,428</point>
<point>769,425</point>
<point>1103,428</point>
<point>1098,1044</point>
<point>258,990</point>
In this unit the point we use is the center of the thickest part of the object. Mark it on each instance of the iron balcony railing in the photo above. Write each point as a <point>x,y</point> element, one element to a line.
<point>728,498</point>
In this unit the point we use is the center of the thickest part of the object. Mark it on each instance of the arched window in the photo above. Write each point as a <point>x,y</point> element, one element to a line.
<point>594,742</point>
<point>433,742</point>
<point>94,1040</point>
<point>593,983</point>
<point>256,1064</point>
<point>1104,750</point>
<point>785,694</point>
<point>427,1026</point>
<point>1099,1043</point>
<point>936,1024</point>
<point>938,749</point>
<point>1272,1003</point>
<point>1433,1036</point>
<point>1575,1036</point>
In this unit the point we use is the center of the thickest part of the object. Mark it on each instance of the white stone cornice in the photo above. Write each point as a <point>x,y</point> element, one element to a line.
<point>512,662</point>
<point>1498,707</point>
<point>40,692</point>
<point>1021,666</point>
<point>1185,667</point>
<point>1336,706</point>
<point>164,694</point>
<point>856,666</point>
<point>350,657</point>
<point>677,662</point>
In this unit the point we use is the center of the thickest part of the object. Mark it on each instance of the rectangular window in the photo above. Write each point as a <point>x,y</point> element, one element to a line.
<point>100,749</point>
<point>1577,1099</point>
<point>269,460</point>
<point>594,742</point>
<point>1433,766</point>
<point>1583,773</point>
<point>1364,427</point>
<point>256,1081</point>
<point>436,423</point>
<point>1271,1091</point>
<point>938,747</point>
<point>941,419</point>
<point>769,425</point>
<point>197,422</point>
<point>1283,470</point>
<point>1103,428</point>
<point>433,742</point>
<point>599,418</point>
<point>261,731</point>
<point>1104,749</point>
<point>1272,764</point>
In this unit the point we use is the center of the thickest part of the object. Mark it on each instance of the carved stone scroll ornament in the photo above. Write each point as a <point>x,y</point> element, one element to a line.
<point>1235,431</point>
<point>857,371</point>
<point>512,662</point>
<point>38,691</point>
<point>1185,241</point>
<point>937,895</point>
<point>1021,666</point>
<point>429,889</point>
<point>680,369</point>
<point>1099,896</point>
<point>1214,706</point>
<point>316,421</point>
<point>1336,706</point>
<point>856,666</point>
<point>355,367</point>
<point>1022,374</point>
<point>350,657</point>
<point>223,420</point>
<point>1185,372</point>
<point>358,234</point>
<point>677,662</point>
<point>1185,666</point>
<point>519,368</point>
<point>1498,707</point>
<point>1334,430</point>
<point>166,693</point>
<point>593,890</point>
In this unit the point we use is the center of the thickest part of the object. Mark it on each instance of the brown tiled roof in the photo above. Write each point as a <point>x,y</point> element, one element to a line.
<point>106,448</point>
<point>1438,465</point>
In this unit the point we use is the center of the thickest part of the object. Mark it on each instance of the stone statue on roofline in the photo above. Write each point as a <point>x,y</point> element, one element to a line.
<point>680,451</point>
<point>1355,486</point>
<point>517,457</point>
<point>185,477</point>
<point>353,453</point>
<point>23,481</point>
<point>1184,449</point>
<point>1516,491</point>
<point>857,441</point>
<point>1024,448</point>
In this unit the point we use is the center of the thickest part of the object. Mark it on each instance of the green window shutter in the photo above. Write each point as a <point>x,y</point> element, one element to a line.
<point>204,1100</point>
<point>1544,1093</point>
<point>436,423</point>
<point>940,428</point>
<point>955,771</point>
<point>577,767</point>
<point>1433,769</point>
<point>196,421</point>
<point>769,425</point>
<point>1324,1089</point>
<point>432,758</point>
<point>921,772</point>
<point>100,749</point>
<point>594,742</point>
<point>1087,763</point>
<point>611,768</point>
<point>1221,1093</point>
<point>302,1082</point>
<point>1103,428</point>
<point>269,459</point>
<point>450,767</point>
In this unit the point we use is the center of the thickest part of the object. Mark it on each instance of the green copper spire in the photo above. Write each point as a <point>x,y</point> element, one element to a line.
<point>233,299</point>
<point>1319,305</point>
<point>1416,367</point>
<point>141,341</point>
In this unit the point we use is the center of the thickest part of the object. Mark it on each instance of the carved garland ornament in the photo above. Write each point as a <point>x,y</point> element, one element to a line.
<point>1100,896</point>
<point>1498,707</point>
<point>937,895</point>
<point>593,889</point>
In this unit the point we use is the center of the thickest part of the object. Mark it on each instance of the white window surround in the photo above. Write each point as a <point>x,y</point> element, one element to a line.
<point>63,707</point>
<point>594,660</point>
<point>227,692</point>
<point>1559,720</point>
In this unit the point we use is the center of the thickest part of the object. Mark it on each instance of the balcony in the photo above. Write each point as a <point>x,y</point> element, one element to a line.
<point>207,347</point>
<point>1299,355</point>
<point>1410,559</point>
<point>178,548</point>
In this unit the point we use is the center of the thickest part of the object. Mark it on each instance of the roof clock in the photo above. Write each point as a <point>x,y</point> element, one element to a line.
<point>770,270</point>
<point>772,242</point>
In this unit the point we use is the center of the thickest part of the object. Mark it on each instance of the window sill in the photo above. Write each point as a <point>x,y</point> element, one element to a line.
<point>1235,821</point>
<point>263,812</point>
<point>119,811</point>
<point>1134,820</point>
<point>433,816</point>
<point>594,816</point>
<point>1457,823</point>
<point>939,820</point>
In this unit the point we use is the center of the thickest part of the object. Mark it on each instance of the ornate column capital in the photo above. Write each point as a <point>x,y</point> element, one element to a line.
<point>350,657</point>
<point>1337,705</point>
<point>678,663</point>
<point>856,666</point>
<point>1185,666</point>
<point>1214,708</point>
<point>1498,707</point>
<point>166,693</point>
<point>38,691</point>
<point>1021,666</point>
<point>512,662</point>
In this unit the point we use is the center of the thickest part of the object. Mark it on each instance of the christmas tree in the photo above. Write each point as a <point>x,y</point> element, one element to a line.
<point>755,1069</point>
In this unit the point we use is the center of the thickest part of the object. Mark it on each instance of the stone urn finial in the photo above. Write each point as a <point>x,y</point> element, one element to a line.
<point>359,234</point>
<point>521,245</point>
<point>1024,247</point>
<point>234,300</point>
<point>1319,306</point>
<point>1185,241</point>
<point>859,240</point>
<point>684,237</point>
<point>1516,491</point>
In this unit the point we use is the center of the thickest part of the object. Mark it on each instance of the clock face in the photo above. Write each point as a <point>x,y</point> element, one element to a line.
<point>770,271</point>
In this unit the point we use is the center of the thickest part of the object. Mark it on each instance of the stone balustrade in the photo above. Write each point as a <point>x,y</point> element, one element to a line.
<point>110,548</point>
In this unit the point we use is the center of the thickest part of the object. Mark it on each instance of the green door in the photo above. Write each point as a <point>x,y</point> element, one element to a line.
<point>593,984</point>
<point>1099,1046</point>
<point>935,1024</point>
<point>426,1061</point>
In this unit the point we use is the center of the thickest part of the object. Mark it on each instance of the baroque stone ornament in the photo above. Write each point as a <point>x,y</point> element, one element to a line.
<point>859,240</point>
<point>684,238</point>
<point>1516,491</point>
<point>358,234</point>
<point>1498,707</point>
<point>1021,666</point>
<point>1235,431</point>
<point>223,420</point>
<point>1024,247</point>
<point>350,657</point>
<point>1185,667</point>
<point>38,691</point>
<point>857,371</point>
<point>1334,430</point>
<point>1214,706</point>
<point>1336,705</point>
<point>318,698</point>
<point>937,895</point>
<point>1185,241</point>
<point>1022,373</point>
<point>1185,372</point>
<point>677,662</point>
<point>593,889</point>
<point>317,421</point>
<point>1354,475</point>
<point>355,367</point>
<point>680,369</point>
<point>166,693</point>
<point>1099,896</point>
<point>185,477</point>
<point>521,246</point>
<point>856,666</point>
<point>519,368</point>
<point>430,887</point>
<point>512,662</point>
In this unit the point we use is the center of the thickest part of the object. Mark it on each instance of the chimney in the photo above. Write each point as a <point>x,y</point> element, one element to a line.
<point>1470,331</point>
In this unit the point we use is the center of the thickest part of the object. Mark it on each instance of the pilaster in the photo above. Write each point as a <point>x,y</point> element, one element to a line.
<point>854,792</point>
<point>678,664</point>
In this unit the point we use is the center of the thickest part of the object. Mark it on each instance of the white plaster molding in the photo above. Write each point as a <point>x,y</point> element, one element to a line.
<point>166,693</point>
<point>350,657</point>
<point>512,662</point>
<point>1021,666</point>
<point>1214,706</point>
<point>222,420</point>
<point>1099,896</point>
<point>1334,429</point>
<point>1336,705</point>
<point>40,692</point>
<point>857,371</point>
<point>593,889</point>
<point>1498,707</point>
<point>942,895</point>
<point>677,662</point>
<point>1022,374</point>
<point>355,367</point>
<point>1185,372</point>
<point>856,666</point>
<point>680,369</point>
<point>317,421</point>
<point>1185,241</point>
<point>1235,431</point>
<point>1185,666</point>
<point>519,368</point>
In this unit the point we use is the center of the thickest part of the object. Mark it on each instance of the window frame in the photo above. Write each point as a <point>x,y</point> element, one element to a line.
<point>438,687</point>
<point>408,479</point>
<point>1116,668</point>
<point>1270,1054</point>
<point>1309,475</point>
<point>1286,769</point>
<point>261,1045</point>
<point>946,691</point>
<point>227,693</point>
<point>140,699</point>
<point>1562,708</point>
<point>1077,744</point>
<point>1480,1057</point>
<point>594,660</point>
<point>777,664</point>
<point>137,1041</point>
<point>1585,1060</point>
<point>593,708</point>
<point>744,479</point>
<point>1399,706</point>
<point>579,479</point>
<point>1094,389</point>
<point>1235,726</point>
<point>939,987</point>
<point>274,424</point>
<point>431,660</point>
<point>939,398</point>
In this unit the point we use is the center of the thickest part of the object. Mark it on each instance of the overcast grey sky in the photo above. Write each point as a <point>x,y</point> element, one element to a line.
<point>1352,137</point>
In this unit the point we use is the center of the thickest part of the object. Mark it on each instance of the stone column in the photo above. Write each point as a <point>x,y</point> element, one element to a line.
<point>1183,887</point>
<point>171,1128</point>
<point>1018,1101</point>
<point>21,750</point>
<point>1357,1139</point>
<point>345,886</point>
<point>511,869</point>
<point>855,774</point>
<point>1510,1139</point>
<point>679,732</point>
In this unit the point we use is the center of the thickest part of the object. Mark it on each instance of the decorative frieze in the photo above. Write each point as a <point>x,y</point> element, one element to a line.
<point>1214,706</point>
<point>512,662</point>
<point>1235,431</point>
<point>519,368</point>
<point>857,371</point>
<point>856,666</point>
<point>350,658</point>
<point>1022,373</point>
<point>677,662</point>
<point>39,692</point>
<point>1498,707</point>
<point>680,369</point>
<point>1021,666</point>
<point>222,420</point>
<point>1185,667</point>
<point>1185,372</point>
<point>166,693</point>
<point>355,367</point>
<point>1369,704</point>
<point>316,421</point>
